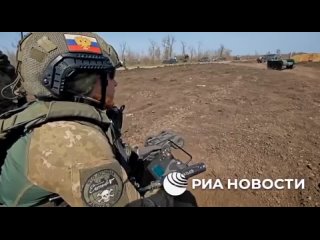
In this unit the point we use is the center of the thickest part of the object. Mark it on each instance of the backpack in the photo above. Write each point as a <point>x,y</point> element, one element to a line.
<point>15,123</point>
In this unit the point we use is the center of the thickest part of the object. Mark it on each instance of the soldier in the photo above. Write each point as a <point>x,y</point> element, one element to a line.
<point>10,98</point>
<point>67,147</point>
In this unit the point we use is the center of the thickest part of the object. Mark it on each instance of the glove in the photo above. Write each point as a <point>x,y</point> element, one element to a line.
<point>154,198</point>
<point>159,198</point>
<point>185,200</point>
<point>147,153</point>
<point>6,67</point>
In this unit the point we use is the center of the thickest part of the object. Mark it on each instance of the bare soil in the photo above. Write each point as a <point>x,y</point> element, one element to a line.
<point>242,120</point>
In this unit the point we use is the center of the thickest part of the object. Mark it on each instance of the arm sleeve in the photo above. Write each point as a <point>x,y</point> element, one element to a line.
<point>76,162</point>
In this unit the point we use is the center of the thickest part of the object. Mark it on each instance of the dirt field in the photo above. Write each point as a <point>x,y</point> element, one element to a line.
<point>242,120</point>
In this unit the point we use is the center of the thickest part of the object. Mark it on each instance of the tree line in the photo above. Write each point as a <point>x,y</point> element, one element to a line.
<point>164,50</point>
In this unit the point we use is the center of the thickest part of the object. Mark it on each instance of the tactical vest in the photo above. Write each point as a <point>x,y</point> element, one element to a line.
<point>16,123</point>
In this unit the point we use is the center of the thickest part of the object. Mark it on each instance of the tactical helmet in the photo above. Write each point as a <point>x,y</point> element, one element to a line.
<point>47,61</point>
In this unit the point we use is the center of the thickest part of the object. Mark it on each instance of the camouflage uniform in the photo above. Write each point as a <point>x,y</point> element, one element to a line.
<point>73,159</point>
<point>59,157</point>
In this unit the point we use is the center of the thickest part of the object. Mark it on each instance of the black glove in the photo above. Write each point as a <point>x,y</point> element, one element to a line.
<point>6,67</point>
<point>147,153</point>
<point>159,198</point>
<point>154,198</point>
<point>185,200</point>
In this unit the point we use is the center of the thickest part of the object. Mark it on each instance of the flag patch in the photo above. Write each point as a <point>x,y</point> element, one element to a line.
<point>79,43</point>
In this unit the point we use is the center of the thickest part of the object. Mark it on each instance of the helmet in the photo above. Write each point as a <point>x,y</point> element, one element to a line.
<point>50,63</point>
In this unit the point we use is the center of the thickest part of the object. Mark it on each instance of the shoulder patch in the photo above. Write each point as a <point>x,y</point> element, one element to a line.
<point>102,189</point>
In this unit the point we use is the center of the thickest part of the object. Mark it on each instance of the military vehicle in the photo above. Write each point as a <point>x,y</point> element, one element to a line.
<point>280,64</point>
<point>275,62</point>
<point>170,61</point>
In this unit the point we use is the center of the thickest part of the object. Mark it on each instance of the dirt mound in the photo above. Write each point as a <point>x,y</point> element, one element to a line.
<point>314,57</point>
